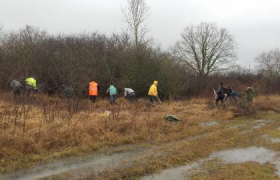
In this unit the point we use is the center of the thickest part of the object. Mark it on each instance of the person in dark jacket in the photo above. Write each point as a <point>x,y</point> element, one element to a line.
<point>220,94</point>
<point>68,92</point>
<point>16,85</point>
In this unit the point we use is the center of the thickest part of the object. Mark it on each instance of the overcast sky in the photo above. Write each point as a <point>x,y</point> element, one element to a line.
<point>254,23</point>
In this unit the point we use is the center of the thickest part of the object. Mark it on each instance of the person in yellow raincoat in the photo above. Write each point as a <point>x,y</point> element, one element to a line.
<point>153,93</point>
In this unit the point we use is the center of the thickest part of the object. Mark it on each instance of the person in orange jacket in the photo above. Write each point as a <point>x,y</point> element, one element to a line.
<point>93,91</point>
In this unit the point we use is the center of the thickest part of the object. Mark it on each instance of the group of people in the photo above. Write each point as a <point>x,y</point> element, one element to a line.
<point>222,94</point>
<point>94,88</point>
<point>226,92</point>
<point>129,93</point>
<point>30,85</point>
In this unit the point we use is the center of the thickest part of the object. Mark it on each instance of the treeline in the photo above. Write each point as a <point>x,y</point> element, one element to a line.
<point>74,60</point>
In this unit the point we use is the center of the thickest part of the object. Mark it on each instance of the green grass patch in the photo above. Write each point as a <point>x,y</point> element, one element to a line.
<point>274,133</point>
<point>248,171</point>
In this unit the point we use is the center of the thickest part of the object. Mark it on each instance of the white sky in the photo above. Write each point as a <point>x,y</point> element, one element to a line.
<point>254,23</point>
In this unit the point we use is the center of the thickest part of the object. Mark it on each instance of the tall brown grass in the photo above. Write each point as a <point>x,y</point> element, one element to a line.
<point>260,103</point>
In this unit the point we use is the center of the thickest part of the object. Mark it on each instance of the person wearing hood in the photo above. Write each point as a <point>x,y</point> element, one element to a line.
<point>153,93</point>
<point>16,85</point>
<point>112,91</point>
<point>31,85</point>
<point>250,94</point>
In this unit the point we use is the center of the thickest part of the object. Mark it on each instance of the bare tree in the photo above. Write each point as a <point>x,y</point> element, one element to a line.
<point>269,63</point>
<point>206,48</point>
<point>135,14</point>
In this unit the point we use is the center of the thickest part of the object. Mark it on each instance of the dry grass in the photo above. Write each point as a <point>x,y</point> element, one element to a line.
<point>191,151</point>
<point>266,103</point>
<point>43,129</point>
<point>261,103</point>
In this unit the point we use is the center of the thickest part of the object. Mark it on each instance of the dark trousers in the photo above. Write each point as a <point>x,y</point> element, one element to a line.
<point>152,99</point>
<point>28,89</point>
<point>230,97</point>
<point>131,96</point>
<point>16,91</point>
<point>112,99</point>
<point>92,99</point>
<point>220,98</point>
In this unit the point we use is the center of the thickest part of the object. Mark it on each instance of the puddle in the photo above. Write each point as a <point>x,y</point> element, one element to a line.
<point>259,125</point>
<point>260,120</point>
<point>94,162</point>
<point>237,126</point>
<point>79,167</point>
<point>210,123</point>
<point>273,140</point>
<point>260,155</point>
<point>178,173</point>
<point>252,154</point>
<point>246,132</point>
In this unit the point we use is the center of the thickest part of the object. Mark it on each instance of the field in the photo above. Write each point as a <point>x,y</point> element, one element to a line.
<point>53,138</point>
